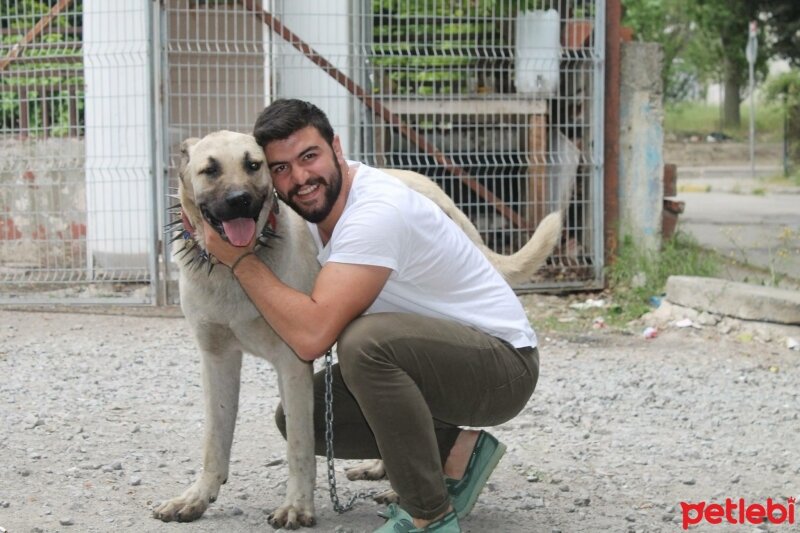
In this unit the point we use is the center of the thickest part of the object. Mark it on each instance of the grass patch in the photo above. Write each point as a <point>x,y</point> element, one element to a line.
<point>637,275</point>
<point>685,119</point>
<point>792,179</point>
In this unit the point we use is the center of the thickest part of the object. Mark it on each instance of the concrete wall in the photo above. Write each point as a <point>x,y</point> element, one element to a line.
<point>217,76</point>
<point>325,26</point>
<point>641,167</point>
<point>42,203</point>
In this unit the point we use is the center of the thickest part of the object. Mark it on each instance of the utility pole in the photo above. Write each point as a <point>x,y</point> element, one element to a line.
<point>752,52</point>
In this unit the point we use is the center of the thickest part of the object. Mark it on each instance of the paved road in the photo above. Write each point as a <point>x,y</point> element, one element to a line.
<point>749,220</point>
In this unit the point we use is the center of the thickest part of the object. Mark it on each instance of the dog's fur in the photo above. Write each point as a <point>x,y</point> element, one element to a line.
<point>224,166</point>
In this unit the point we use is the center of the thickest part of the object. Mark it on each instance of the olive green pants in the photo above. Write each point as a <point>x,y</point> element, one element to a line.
<point>402,387</point>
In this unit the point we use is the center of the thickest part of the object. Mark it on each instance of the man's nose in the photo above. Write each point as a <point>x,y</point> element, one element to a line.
<point>300,175</point>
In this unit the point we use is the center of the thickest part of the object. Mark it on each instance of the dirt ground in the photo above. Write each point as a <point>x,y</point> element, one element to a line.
<point>700,153</point>
<point>102,419</point>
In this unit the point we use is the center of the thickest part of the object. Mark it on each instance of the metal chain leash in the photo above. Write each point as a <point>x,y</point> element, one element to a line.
<point>338,507</point>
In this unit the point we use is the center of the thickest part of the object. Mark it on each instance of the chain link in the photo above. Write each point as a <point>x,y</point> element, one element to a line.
<point>337,506</point>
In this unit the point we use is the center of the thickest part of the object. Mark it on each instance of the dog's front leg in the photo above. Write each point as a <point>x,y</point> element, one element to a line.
<point>221,373</point>
<point>297,393</point>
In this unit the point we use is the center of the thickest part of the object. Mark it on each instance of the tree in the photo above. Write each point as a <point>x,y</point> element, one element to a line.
<point>668,24</point>
<point>714,35</point>
<point>782,18</point>
<point>726,24</point>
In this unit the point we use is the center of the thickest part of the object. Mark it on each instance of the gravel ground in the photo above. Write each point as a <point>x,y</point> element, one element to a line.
<point>102,419</point>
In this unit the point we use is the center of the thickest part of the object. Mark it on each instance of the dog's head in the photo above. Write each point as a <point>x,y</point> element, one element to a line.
<point>224,179</point>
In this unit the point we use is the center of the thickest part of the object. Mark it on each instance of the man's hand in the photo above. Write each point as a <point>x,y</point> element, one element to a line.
<point>222,250</point>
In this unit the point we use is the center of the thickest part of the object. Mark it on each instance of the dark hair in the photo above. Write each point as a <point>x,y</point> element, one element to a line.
<point>283,117</point>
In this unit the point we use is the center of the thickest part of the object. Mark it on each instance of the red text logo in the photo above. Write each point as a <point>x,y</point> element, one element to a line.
<point>737,512</point>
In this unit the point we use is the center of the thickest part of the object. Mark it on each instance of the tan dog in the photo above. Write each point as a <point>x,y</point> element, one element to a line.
<point>224,179</point>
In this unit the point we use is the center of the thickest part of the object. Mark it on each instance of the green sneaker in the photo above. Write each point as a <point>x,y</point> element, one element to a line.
<point>464,492</point>
<point>399,521</point>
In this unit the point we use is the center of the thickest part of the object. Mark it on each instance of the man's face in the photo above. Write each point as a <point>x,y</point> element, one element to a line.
<point>306,172</point>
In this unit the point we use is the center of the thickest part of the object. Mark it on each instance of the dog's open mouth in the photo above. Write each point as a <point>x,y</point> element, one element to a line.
<point>237,231</point>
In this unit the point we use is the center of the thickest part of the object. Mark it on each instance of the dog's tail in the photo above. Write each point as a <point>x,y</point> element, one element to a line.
<point>519,267</point>
<point>516,268</point>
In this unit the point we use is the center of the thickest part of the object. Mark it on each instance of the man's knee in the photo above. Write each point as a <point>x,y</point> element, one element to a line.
<point>361,344</point>
<point>280,420</point>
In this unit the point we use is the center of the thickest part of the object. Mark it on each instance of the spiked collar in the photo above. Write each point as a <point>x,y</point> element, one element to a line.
<point>202,256</point>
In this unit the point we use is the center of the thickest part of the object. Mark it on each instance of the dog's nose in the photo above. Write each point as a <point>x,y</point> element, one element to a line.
<point>239,200</point>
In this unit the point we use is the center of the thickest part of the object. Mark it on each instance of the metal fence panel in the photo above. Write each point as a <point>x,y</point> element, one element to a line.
<point>498,101</point>
<point>214,65</point>
<point>76,194</point>
<point>501,102</point>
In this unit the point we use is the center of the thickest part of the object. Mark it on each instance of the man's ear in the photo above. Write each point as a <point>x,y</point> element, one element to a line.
<point>185,147</point>
<point>337,150</point>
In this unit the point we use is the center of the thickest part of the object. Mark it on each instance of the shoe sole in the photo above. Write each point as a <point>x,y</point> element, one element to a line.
<point>483,478</point>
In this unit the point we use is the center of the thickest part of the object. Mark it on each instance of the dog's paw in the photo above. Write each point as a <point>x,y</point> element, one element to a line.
<point>187,507</point>
<point>371,470</point>
<point>292,517</point>
<point>386,497</point>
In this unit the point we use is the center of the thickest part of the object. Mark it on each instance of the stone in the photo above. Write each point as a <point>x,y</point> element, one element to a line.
<point>734,299</point>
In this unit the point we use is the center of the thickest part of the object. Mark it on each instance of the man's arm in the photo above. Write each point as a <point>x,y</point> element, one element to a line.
<point>309,324</point>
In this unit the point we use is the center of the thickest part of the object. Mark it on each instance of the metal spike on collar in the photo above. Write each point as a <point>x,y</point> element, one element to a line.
<point>190,245</point>
<point>177,237</point>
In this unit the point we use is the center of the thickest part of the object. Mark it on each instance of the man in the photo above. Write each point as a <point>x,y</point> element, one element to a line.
<point>429,336</point>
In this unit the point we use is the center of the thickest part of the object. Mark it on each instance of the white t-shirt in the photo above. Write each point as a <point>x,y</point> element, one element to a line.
<point>437,270</point>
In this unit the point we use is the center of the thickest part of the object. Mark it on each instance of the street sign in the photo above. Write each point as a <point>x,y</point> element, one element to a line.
<point>751,52</point>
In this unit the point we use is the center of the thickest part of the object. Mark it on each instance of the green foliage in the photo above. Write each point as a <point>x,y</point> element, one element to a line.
<point>704,41</point>
<point>455,8</point>
<point>25,87</point>
<point>784,91</point>
<point>685,119</point>
<point>783,19</point>
<point>427,47</point>
<point>784,88</point>
<point>637,274</point>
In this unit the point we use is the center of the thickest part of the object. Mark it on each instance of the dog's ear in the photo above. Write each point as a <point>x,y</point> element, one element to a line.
<point>185,146</point>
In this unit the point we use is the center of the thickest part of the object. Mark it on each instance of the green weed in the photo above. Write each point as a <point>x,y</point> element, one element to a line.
<point>637,275</point>
<point>698,118</point>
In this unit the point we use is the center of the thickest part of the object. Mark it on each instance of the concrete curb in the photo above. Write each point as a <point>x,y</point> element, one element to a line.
<point>737,300</point>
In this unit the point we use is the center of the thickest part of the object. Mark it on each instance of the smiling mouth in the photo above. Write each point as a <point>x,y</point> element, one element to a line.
<point>306,190</point>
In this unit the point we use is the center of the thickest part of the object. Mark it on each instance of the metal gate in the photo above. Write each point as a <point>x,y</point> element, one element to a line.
<point>499,101</point>
<point>77,192</point>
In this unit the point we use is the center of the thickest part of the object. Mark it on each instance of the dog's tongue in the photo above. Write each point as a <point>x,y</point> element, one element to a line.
<point>239,230</point>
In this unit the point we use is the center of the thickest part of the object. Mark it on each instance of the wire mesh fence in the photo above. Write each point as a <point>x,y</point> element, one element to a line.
<point>75,179</point>
<point>500,102</point>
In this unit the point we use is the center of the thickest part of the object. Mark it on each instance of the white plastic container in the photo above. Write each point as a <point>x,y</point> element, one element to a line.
<point>537,52</point>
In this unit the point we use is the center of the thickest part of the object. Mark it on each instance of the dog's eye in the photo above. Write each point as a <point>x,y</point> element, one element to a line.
<point>210,170</point>
<point>254,165</point>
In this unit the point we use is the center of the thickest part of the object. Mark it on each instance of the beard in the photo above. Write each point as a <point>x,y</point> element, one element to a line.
<point>332,187</point>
